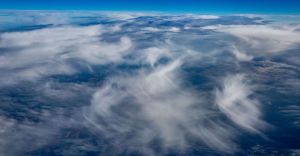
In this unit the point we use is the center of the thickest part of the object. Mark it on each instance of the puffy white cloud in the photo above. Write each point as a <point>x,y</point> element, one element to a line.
<point>235,101</point>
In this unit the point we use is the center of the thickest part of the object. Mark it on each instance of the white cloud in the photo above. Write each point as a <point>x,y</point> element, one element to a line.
<point>193,16</point>
<point>234,100</point>
<point>47,51</point>
<point>17,138</point>
<point>135,109</point>
<point>239,54</point>
<point>207,17</point>
<point>127,15</point>
<point>262,38</point>
<point>170,29</point>
<point>153,54</point>
<point>100,52</point>
<point>151,29</point>
<point>156,106</point>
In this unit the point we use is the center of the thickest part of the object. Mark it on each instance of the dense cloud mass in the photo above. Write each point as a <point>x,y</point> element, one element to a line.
<point>108,83</point>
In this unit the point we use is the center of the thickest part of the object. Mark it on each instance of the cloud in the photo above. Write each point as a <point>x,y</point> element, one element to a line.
<point>205,17</point>
<point>144,104</point>
<point>30,124</point>
<point>262,38</point>
<point>235,101</point>
<point>239,54</point>
<point>293,112</point>
<point>153,29</point>
<point>17,138</point>
<point>128,16</point>
<point>34,54</point>
<point>153,54</point>
<point>154,105</point>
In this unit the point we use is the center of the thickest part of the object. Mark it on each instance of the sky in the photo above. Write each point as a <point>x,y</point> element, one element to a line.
<point>192,6</point>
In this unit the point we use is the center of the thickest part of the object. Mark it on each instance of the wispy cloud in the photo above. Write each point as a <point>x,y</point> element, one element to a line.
<point>144,104</point>
<point>235,101</point>
<point>154,106</point>
<point>15,135</point>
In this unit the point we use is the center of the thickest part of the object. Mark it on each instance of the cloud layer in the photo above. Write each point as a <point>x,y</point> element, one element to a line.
<point>142,83</point>
<point>260,39</point>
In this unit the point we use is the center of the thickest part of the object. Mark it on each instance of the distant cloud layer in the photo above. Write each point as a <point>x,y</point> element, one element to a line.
<point>261,39</point>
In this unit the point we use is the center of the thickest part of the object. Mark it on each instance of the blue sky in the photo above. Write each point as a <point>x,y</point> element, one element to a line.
<point>193,6</point>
